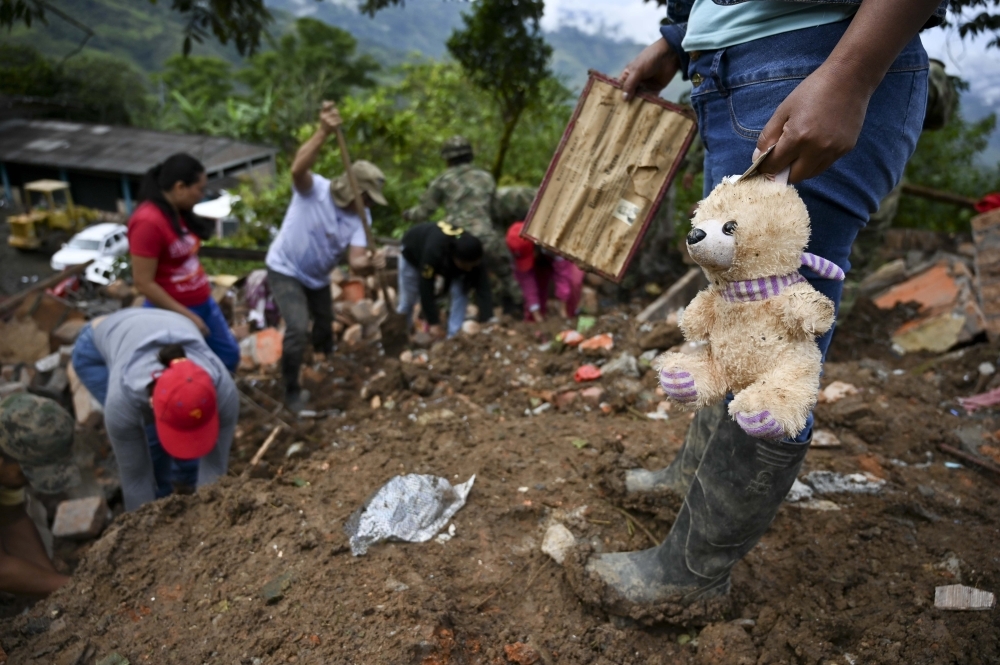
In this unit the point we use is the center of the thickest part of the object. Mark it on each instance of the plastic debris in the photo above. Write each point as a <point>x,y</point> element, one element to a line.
<point>587,373</point>
<point>987,369</point>
<point>829,482</point>
<point>585,323</point>
<point>625,364</point>
<point>981,400</point>
<point>411,508</point>
<point>958,597</point>
<point>602,342</point>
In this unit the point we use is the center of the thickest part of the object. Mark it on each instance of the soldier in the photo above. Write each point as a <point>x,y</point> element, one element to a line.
<point>36,438</point>
<point>466,194</point>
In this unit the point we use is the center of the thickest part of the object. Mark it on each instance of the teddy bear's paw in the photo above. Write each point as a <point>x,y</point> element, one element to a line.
<point>760,425</point>
<point>678,384</point>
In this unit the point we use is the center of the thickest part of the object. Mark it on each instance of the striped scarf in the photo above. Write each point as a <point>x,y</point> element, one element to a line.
<point>762,288</point>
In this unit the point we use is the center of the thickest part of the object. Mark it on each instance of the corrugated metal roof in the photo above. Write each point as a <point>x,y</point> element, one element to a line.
<point>107,148</point>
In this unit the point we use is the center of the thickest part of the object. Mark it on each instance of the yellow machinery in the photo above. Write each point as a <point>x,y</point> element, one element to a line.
<point>50,212</point>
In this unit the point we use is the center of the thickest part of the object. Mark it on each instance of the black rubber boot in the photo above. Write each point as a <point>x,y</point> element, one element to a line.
<point>677,477</point>
<point>734,496</point>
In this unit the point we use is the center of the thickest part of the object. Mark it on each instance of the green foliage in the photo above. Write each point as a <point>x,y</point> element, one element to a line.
<point>91,87</point>
<point>946,159</point>
<point>503,53</point>
<point>201,80</point>
<point>982,22</point>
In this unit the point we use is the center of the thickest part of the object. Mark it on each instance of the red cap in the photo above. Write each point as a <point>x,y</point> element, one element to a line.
<point>184,406</point>
<point>522,249</point>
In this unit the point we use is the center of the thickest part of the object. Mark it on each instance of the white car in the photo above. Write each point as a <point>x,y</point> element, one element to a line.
<point>94,242</point>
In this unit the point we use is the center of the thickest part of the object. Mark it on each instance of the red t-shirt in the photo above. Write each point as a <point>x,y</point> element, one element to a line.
<point>178,270</point>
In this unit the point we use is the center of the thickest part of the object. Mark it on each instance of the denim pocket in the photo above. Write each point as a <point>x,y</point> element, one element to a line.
<point>751,106</point>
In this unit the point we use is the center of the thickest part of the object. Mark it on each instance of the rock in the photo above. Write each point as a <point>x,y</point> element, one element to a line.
<point>296,448</point>
<point>521,653</point>
<point>936,334</point>
<point>593,395</point>
<point>363,312</point>
<point>557,542</point>
<point>887,275</point>
<point>336,293</point>
<point>987,369</point>
<point>958,597</point>
<point>22,341</point>
<point>850,411</point>
<point>625,365</point>
<point>376,402</point>
<point>354,334</point>
<point>799,492</point>
<point>835,392</point>
<point>274,590</point>
<point>11,388</point>
<point>48,363</point>
<point>471,327</point>
<point>113,658</point>
<point>824,438</point>
<point>725,644</point>
<point>662,336</point>
<point>87,409</point>
<point>986,235</point>
<point>434,417</point>
<point>80,519</point>
<point>829,482</point>
<point>677,296</point>
<point>566,399</point>
<point>69,331</point>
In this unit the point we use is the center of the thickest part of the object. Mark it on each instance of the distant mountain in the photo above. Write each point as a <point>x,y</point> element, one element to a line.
<point>423,26</point>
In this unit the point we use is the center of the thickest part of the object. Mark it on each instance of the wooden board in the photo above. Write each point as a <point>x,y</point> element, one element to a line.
<point>986,235</point>
<point>612,168</point>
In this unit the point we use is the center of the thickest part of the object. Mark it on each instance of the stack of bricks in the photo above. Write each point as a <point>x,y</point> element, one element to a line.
<point>986,235</point>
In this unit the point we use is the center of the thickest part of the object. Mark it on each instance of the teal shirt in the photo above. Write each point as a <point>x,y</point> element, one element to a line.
<point>711,26</point>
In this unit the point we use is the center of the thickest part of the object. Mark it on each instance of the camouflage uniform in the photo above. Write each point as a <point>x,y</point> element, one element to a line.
<point>37,433</point>
<point>941,101</point>
<point>466,194</point>
<point>511,204</point>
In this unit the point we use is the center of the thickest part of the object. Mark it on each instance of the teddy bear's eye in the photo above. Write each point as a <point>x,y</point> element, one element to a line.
<point>729,228</point>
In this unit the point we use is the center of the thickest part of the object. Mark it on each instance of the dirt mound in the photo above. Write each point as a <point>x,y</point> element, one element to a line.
<point>258,571</point>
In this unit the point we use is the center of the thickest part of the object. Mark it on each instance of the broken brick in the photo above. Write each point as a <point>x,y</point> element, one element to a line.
<point>80,518</point>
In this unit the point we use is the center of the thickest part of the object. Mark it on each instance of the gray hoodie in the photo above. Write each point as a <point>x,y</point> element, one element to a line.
<point>128,341</point>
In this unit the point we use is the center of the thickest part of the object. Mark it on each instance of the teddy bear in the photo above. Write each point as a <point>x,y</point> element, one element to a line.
<point>758,319</point>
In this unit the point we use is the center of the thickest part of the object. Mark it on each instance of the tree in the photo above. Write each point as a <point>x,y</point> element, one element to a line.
<point>200,79</point>
<point>92,87</point>
<point>240,21</point>
<point>503,53</point>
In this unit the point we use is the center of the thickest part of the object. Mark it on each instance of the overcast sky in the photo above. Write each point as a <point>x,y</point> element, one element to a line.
<point>637,21</point>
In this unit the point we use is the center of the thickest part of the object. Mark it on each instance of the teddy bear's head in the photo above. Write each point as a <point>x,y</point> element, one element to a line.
<point>749,229</point>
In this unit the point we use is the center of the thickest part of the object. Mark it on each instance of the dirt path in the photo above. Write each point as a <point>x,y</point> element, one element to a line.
<point>258,571</point>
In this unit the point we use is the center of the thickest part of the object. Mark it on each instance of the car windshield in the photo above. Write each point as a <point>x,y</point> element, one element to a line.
<point>83,243</point>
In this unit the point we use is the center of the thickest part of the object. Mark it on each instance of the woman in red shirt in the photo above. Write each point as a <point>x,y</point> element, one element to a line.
<point>164,235</point>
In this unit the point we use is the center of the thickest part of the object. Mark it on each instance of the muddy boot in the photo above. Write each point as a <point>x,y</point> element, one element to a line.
<point>677,477</point>
<point>297,401</point>
<point>734,496</point>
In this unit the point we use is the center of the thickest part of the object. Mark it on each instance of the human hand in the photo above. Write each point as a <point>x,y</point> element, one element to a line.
<point>377,259</point>
<point>329,117</point>
<point>817,124</point>
<point>200,322</point>
<point>651,70</point>
<point>436,331</point>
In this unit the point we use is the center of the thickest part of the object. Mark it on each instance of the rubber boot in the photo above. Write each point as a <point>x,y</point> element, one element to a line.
<point>734,496</point>
<point>677,477</point>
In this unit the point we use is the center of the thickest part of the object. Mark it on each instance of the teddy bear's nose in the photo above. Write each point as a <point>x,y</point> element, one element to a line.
<point>696,236</point>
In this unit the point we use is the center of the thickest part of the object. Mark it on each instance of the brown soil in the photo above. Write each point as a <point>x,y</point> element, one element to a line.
<point>184,580</point>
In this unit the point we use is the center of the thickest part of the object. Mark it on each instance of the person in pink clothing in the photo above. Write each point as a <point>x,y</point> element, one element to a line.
<point>534,269</point>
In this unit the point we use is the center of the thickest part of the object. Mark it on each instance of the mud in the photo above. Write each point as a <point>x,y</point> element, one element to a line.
<point>257,570</point>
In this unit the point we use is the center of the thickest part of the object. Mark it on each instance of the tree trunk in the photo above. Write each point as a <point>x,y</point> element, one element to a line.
<point>508,133</point>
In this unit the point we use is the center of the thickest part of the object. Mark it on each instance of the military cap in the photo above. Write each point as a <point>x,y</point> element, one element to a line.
<point>456,146</point>
<point>37,433</point>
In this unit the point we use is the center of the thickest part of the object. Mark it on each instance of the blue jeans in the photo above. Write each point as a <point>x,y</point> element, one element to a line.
<point>90,367</point>
<point>409,296</point>
<point>220,338</point>
<point>743,85</point>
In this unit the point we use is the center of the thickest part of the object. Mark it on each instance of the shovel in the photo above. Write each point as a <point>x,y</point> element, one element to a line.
<point>394,327</point>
